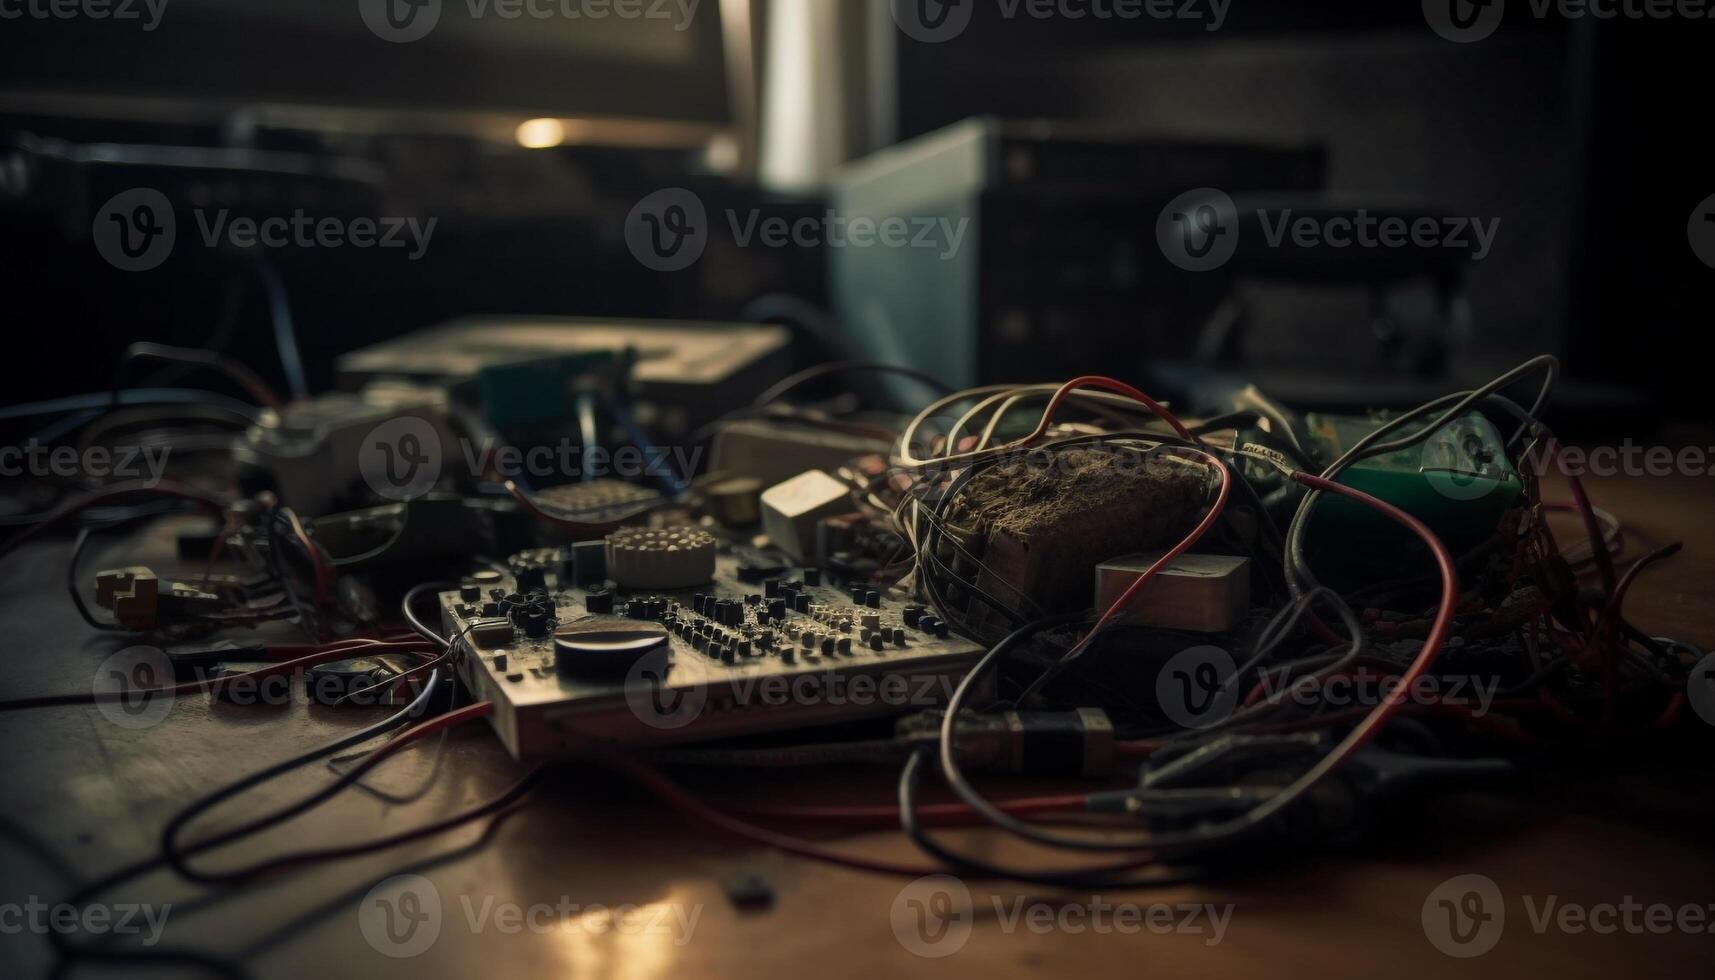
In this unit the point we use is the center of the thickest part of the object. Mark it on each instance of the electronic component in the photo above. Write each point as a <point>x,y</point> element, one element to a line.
<point>660,557</point>
<point>791,510</point>
<point>733,661</point>
<point>734,500</point>
<point>1196,593</point>
<point>772,450</point>
<point>389,440</point>
<point>602,647</point>
<point>601,504</point>
<point>142,601</point>
<point>1040,530</point>
<point>688,369</point>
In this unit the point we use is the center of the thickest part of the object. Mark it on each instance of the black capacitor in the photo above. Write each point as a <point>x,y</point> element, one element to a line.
<point>469,591</point>
<point>600,602</point>
<point>801,601</point>
<point>771,588</point>
<point>535,622</point>
<point>777,608</point>
<point>872,599</point>
<point>912,615</point>
<point>857,594</point>
<point>812,576</point>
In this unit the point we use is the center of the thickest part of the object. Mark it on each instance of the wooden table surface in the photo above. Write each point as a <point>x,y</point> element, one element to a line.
<point>81,795</point>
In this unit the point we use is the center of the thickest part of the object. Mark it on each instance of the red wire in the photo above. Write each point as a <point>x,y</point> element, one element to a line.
<point>1116,609</point>
<point>1372,723</point>
<point>677,796</point>
<point>164,488</point>
<point>932,814</point>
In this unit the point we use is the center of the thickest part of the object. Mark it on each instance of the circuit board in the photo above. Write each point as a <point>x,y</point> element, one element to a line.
<point>734,657</point>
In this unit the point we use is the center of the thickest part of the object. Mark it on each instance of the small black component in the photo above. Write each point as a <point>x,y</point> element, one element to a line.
<point>777,609</point>
<point>600,602</point>
<point>771,588</point>
<point>536,621</point>
<point>844,646</point>
<point>748,891</point>
<point>801,601</point>
<point>872,599</point>
<point>912,615</point>
<point>828,646</point>
<point>875,640</point>
<point>812,576</point>
<point>589,559</point>
<point>532,578</point>
<point>469,591</point>
<point>604,649</point>
<point>858,592</point>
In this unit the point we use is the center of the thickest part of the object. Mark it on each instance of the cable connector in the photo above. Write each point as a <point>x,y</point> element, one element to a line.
<point>1024,742</point>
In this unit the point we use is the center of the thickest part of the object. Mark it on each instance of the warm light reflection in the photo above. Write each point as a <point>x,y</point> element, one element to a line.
<point>536,134</point>
<point>630,942</point>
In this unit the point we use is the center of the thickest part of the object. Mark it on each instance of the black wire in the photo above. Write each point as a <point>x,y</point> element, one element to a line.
<point>779,390</point>
<point>1100,876</point>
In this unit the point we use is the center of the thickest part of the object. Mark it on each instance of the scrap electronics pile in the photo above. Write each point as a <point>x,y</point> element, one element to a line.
<point>1223,633</point>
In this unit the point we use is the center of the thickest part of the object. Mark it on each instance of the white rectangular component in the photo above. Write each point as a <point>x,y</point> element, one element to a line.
<point>790,511</point>
<point>1196,593</point>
